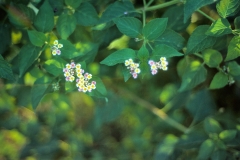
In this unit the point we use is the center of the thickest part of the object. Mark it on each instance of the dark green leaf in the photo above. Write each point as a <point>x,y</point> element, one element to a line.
<point>234,68</point>
<point>212,126</point>
<point>89,51</point>
<point>144,67</point>
<point>163,50</point>
<point>219,155</point>
<point>126,73</point>
<point>5,70</point>
<point>68,50</point>
<point>66,24</point>
<point>44,21</point>
<point>227,8</point>
<point>73,3</point>
<point>219,80</point>
<point>154,28</point>
<point>36,38</point>
<point>171,38</point>
<point>86,15</point>
<point>5,34</point>
<point>199,41</point>
<point>27,56</point>
<point>119,57</point>
<point>55,66</point>
<point>212,57</point>
<point>40,88</point>
<point>237,23</point>
<point>219,27</point>
<point>227,135</point>
<point>100,90</point>
<point>206,149</point>
<point>129,26</point>
<point>233,48</point>
<point>192,5</point>
<point>143,54</point>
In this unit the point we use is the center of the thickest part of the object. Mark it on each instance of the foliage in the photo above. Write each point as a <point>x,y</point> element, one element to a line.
<point>103,79</point>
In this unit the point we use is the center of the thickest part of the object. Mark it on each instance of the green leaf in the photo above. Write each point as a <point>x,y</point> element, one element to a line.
<point>27,56</point>
<point>219,155</point>
<point>129,26</point>
<point>227,135</point>
<point>171,38</point>
<point>89,51</point>
<point>126,73</point>
<point>73,3</point>
<point>163,50</point>
<point>6,70</point>
<point>44,21</point>
<point>119,57</point>
<point>68,50</point>
<point>201,105</point>
<point>144,67</point>
<point>100,90</point>
<point>5,34</point>
<point>206,149</point>
<point>234,68</point>
<point>199,41</point>
<point>192,5</point>
<point>219,80</point>
<point>227,8</point>
<point>20,15</point>
<point>154,28</point>
<point>219,27</point>
<point>117,9</point>
<point>36,38</point>
<point>86,15</point>
<point>237,23</point>
<point>40,88</point>
<point>66,25</point>
<point>212,57</point>
<point>212,126</point>
<point>143,54</point>
<point>233,48</point>
<point>55,66</point>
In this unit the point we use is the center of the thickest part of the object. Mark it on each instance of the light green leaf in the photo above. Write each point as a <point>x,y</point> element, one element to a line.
<point>212,57</point>
<point>220,80</point>
<point>237,23</point>
<point>212,126</point>
<point>36,38</point>
<point>119,57</point>
<point>66,24</point>
<point>171,38</point>
<point>68,50</point>
<point>227,135</point>
<point>219,28</point>
<point>44,21</point>
<point>227,8</point>
<point>27,56</point>
<point>55,66</point>
<point>129,26</point>
<point>194,74</point>
<point>192,5</point>
<point>199,41</point>
<point>6,70</point>
<point>233,48</point>
<point>234,68</point>
<point>206,149</point>
<point>73,3</point>
<point>143,54</point>
<point>86,15</point>
<point>163,50</point>
<point>40,88</point>
<point>154,28</point>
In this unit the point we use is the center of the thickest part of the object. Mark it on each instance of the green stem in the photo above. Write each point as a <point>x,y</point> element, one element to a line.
<point>204,14</point>
<point>162,5</point>
<point>198,55</point>
<point>149,3</point>
<point>150,45</point>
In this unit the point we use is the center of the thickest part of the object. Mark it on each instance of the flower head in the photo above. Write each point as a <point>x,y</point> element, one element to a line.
<point>161,64</point>
<point>133,67</point>
<point>56,48</point>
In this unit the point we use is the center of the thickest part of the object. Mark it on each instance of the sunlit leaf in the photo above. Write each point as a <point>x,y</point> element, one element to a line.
<point>220,80</point>
<point>227,8</point>
<point>55,66</point>
<point>68,50</point>
<point>219,27</point>
<point>206,149</point>
<point>234,68</point>
<point>73,3</point>
<point>66,24</point>
<point>227,135</point>
<point>212,126</point>
<point>233,48</point>
<point>212,57</point>
<point>36,38</point>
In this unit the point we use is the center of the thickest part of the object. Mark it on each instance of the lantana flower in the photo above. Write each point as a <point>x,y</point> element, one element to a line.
<point>56,48</point>
<point>74,71</point>
<point>161,64</point>
<point>133,67</point>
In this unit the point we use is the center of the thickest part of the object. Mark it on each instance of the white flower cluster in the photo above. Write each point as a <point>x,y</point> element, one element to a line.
<point>162,64</point>
<point>56,48</point>
<point>133,67</point>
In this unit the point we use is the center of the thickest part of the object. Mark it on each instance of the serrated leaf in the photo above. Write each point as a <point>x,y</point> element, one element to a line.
<point>163,50</point>
<point>73,3</point>
<point>237,23</point>
<point>86,15</point>
<point>40,88</point>
<point>5,70</point>
<point>234,68</point>
<point>36,38</point>
<point>220,80</point>
<point>212,126</point>
<point>227,8</point>
<point>55,66</point>
<point>212,57</point>
<point>171,38</point>
<point>206,149</point>
<point>192,5</point>
<point>68,50</point>
<point>201,105</point>
<point>233,48</point>
<point>219,28</point>
<point>66,25</point>
<point>129,26</point>
<point>143,54</point>
<point>227,135</point>
<point>199,41</point>
<point>119,57</point>
<point>44,21</point>
<point>154,28</point>
<point>194,74</point>
<point>27,56</point>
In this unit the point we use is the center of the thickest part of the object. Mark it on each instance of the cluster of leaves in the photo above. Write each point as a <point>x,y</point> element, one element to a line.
<point>205,55</point>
